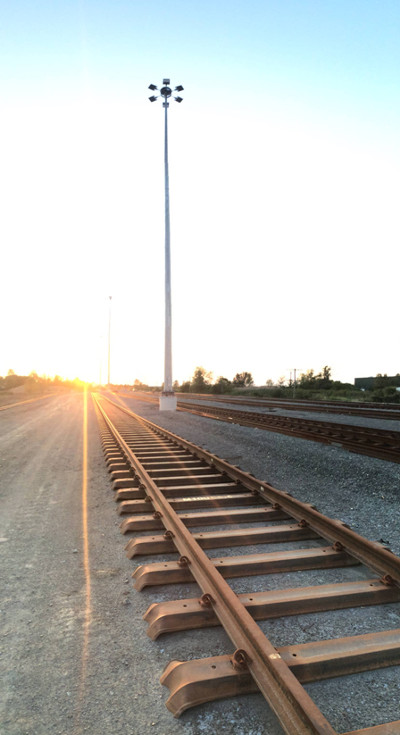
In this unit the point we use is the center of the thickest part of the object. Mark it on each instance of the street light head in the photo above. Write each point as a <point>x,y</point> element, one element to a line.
<point>165,92</point>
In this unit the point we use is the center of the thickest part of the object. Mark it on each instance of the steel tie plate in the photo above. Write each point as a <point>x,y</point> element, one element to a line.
<point>188,614</point>
<point>218,539</point>
<point>248,564</point>
<point>202,680</point>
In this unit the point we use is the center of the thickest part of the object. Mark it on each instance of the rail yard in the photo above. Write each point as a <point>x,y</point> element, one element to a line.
<point>258,559</point>
<point>199,373</point>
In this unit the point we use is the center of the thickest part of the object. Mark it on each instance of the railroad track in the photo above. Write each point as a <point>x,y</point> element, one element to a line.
<point>379,443</point>
<point>363,440</point>
<point>368,410</point>
<point>166,484</point>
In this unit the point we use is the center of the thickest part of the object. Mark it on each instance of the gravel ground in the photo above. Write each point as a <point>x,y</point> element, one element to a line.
<point>342,484</point>
<point>64,676</point>
<point>8,398</point>
<point>368,421</point>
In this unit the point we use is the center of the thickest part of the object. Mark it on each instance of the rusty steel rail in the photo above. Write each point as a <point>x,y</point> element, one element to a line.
<point>377,443</point>
<point>386,411</point>
<point>160,479</point>
<point>353,408</point>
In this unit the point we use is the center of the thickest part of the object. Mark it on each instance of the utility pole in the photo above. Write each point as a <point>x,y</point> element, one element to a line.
<point>109,339</point>
<point>294,379</point>
<point>168,397</point>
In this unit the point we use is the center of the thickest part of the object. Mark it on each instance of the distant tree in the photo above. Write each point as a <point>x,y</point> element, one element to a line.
<point>185,387</point>
<point>241,380</point>
<point>381,381</point>
<point>326,372</point>
<point>222,385</point>
<point>11,372</point>
<point>307,380</point>
<point>269,383</point>
<point>281,381</point>
<point>201,380</point>
<point>175,386</point>
<point>323,379</point>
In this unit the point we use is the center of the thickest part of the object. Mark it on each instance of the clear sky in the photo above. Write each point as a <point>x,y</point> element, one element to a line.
<point>284,183</point>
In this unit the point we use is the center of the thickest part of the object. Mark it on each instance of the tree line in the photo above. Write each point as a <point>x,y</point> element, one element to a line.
<point>310,384</point>
<point>202,382</point>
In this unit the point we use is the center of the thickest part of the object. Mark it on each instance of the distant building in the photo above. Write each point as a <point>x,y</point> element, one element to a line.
<point>366,383</point>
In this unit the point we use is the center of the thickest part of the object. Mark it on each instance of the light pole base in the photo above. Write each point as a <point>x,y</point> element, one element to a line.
<point>168,402</point>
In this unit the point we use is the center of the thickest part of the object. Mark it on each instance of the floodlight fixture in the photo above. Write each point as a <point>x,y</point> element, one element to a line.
<point>166,92</point>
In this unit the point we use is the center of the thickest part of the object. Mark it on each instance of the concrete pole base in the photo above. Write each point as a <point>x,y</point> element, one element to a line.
<point>168,402</point>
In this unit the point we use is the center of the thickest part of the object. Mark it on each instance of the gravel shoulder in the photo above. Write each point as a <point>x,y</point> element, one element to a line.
<point>52,682</point>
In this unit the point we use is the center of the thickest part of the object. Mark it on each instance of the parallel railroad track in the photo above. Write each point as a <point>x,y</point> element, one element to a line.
<point>369,410</point>
<point>379,443</point>
<point>165,483</point>
<point>363,440</point>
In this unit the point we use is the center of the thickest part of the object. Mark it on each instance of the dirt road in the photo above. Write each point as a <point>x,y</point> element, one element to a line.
<point>68,663</point>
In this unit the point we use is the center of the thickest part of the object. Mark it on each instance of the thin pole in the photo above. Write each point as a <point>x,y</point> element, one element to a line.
<point>168,310</point>
<point>167,398</point>
<point>109,339</point>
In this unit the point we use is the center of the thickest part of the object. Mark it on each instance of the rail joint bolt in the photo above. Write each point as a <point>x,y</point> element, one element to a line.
<point>206,600</point>
<point>184,561</point>
<point>337,546</point>
<point>240,660</point>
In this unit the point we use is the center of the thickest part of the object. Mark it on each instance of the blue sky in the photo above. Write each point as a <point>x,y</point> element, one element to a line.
<point>284,162</point>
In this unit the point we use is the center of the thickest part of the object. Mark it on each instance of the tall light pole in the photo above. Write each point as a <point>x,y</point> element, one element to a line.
<point>109,339</point>
<point>168,397</point>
